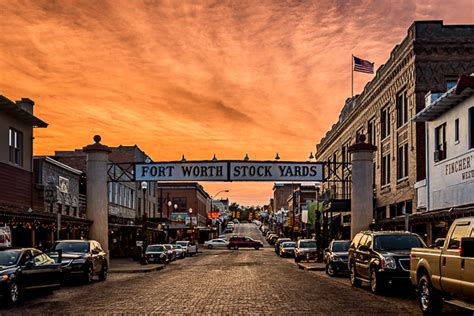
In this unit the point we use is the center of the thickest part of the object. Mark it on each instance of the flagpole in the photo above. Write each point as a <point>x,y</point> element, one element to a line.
<point>352,75</point>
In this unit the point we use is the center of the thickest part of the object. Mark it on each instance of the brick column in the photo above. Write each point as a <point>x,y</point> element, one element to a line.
<point>362,185</point>
<point>97,197</point>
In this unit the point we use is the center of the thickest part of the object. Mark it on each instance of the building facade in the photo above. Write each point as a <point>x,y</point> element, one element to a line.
<point>428,59</point>
<point>18,208</point>
<point>447,191</point>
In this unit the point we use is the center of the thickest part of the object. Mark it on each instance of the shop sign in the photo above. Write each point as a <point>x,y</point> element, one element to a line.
<point>5,237</point>
<point>230,171</point>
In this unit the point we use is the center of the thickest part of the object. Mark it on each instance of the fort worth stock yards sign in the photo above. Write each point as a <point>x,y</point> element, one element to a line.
<point>229,171</point>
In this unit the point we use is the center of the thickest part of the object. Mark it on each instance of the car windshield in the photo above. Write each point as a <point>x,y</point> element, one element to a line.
<point>74,247</point>
<point>288,244</point>
<point>308,244</point>
<point>340,246</point>
<point>154,248</point>
<point>178,247</point>
<point>182,243</point>
<point>8,258</point>
<point>397,242</point>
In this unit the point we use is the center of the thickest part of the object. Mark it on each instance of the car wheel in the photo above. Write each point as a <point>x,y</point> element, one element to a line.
<point>209,246</point>
<point>236,247</point>
<point>330,270</point>
<point>103,273</point>
<point>353,276</point>
<point>14,293</point>
<point>257,247</point>
<point>376,285</point>
<point>429,298</point>
<point>88,275</point>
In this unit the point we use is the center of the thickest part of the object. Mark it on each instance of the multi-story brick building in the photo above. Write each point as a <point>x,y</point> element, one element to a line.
<point>179,198</point>
<point>428,59</point>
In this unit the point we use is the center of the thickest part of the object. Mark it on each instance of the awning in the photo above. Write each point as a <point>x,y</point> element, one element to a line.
<point>343,205</point>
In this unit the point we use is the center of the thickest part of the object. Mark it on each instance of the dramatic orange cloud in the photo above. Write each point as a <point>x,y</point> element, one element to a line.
<point>199,77</point>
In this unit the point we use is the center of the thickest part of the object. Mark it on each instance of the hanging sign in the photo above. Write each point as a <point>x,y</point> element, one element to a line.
<point>230,171</point>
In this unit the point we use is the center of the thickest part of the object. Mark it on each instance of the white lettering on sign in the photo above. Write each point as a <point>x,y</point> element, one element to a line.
<point>229,171</point>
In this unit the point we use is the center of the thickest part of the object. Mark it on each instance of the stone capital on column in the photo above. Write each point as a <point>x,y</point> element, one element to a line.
<point>97,146</point>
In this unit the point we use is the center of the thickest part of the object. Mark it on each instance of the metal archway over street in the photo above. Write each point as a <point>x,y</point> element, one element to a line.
<point>230,170</point>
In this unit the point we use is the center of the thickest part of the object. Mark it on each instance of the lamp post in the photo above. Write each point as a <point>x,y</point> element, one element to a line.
<point>212,198</point>
<point>144,186</point>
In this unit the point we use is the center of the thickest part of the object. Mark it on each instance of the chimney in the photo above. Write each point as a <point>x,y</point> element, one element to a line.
<point>26,105</point>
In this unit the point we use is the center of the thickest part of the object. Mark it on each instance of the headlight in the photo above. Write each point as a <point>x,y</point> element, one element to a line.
<point>388,263</point>
<point>78,261</point>
<point>4,277</point>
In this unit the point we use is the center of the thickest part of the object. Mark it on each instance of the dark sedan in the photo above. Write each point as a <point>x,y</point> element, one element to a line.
<point>335,257</point>
<point>81,259</point>
<point>26,269</point>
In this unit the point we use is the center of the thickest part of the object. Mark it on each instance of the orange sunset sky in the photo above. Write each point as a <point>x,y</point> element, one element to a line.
<point>199,77</point>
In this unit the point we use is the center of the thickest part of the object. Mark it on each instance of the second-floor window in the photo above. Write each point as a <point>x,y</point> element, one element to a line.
<point>371,132</point>
<point>440,143</point>
<point>15,143</point>
<point>402,161</point>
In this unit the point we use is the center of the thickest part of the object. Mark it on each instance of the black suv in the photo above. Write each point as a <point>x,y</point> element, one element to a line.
<point>335,257</point>
<point>381,258</point>
<point>81,259</point>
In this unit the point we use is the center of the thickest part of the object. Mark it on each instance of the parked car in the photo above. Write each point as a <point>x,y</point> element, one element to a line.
<point>23,269</point>
<point>335,257</point>
<point>82,259</point>
<point>278,242</point>
<point>381,258</point>
<point>171,252</point>
<point>235,242</point>
<point>287,249</point>
<point>216,243</point>
<point>190,247</point>
<point>447,271</point>
<point>306,249</point>
<point>272,239</point>
<point>157,254</point>
<point>179,251</point>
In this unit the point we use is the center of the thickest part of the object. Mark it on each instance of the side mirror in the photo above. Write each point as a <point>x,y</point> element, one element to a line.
<point>364,248</point>
<point>439,243</point>
<point>467,247</point>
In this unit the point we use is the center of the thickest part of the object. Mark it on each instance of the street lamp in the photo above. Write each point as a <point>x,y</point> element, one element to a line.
<point>169,205</point>
<point>212,198</point>
<point>144,186</point>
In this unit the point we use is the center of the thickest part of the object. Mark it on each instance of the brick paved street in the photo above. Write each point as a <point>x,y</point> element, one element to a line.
<point>222,282</point>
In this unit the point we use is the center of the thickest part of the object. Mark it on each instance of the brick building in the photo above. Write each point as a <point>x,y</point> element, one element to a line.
<point>179,198</point>
<point>428,59</point>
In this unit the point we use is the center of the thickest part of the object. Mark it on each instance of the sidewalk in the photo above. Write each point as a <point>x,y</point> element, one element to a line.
<point>127,265</point>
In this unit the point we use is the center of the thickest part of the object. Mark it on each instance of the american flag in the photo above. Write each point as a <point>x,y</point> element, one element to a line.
<point>363,65</point>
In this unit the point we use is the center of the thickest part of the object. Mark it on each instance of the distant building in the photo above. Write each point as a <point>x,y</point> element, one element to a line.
<point>281,193</point>
<point>179,198</point>
<point>447,191</point>
<point>429,59</point>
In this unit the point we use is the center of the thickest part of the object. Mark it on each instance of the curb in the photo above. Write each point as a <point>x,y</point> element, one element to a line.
<point>136,270</point>
<point>312,267</point>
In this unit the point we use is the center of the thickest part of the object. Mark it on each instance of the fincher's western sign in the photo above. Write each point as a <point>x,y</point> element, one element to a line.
<point>229,171</point>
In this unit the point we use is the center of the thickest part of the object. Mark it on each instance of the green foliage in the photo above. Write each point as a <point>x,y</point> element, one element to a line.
<point>312,207</point>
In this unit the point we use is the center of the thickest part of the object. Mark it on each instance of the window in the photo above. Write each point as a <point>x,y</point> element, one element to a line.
<point>371,132</point>
<point>110,191</point>
<point>329,167</point>
<point>402,162</point>
<point>459,231</point>
<point>385,122</point>
<point>440,143</point>
<point>15,143</point>
<point>359,132</point>
<point>385,172</point>
<point>450,83</point>
<point>471,127</point>
<point>334,161</point>
<point>456,131</point>
<point>181,202</point>
<point>402,108</point>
